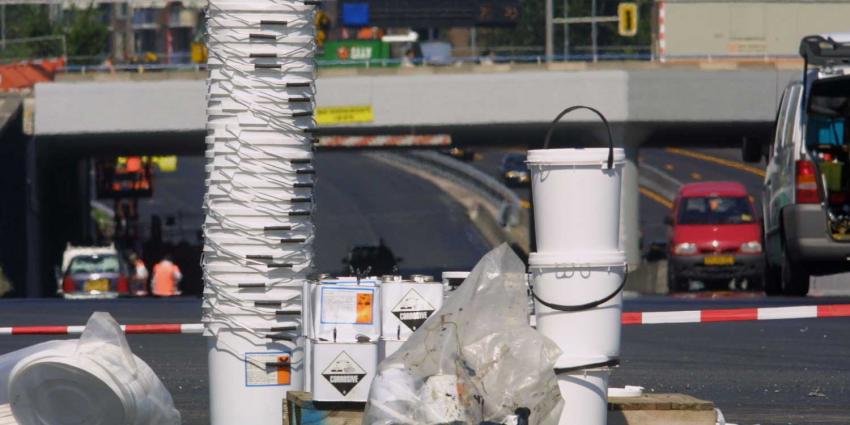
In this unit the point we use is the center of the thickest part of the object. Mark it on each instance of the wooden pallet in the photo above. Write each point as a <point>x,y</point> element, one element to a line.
<point>300,409</point>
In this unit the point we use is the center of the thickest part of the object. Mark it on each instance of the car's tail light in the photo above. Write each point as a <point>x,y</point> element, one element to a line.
<point>123,285</point>
<point>68,285</point>
<point>807,185</point>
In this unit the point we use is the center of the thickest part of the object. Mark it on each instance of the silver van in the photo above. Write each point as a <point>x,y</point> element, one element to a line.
<point>806,194</point>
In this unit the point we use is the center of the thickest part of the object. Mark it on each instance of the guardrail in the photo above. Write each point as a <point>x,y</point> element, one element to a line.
<point>467,176</point>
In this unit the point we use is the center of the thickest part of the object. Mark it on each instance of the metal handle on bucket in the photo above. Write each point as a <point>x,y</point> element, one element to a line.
<point>587,306</point>
<point>605,121</point>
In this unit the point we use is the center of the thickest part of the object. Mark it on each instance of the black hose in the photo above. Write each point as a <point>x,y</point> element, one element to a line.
<point>551,130</point>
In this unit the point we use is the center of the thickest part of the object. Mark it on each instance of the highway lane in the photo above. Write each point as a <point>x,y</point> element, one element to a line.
<point>361,201</point>
<point>779,372</point>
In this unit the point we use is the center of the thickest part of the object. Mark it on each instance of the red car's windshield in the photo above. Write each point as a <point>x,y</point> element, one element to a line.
<point>715,210</point>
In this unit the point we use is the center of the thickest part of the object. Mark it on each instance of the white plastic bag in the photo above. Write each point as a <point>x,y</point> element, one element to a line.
<point>475,360</point>
<point>95,380</point>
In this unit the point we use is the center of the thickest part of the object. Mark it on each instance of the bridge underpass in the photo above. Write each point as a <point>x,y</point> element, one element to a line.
<point>74,121</point>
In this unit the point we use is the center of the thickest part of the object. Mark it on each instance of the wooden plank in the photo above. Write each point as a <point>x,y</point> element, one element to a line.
<point>6,417</point>
<point>300,409</point>
<point>659,402</point>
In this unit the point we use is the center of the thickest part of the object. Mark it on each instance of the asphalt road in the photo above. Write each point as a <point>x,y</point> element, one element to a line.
<point>781,372</point>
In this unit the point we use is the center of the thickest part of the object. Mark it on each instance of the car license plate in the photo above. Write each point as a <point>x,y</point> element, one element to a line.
<point>101,285</point>
<point>719,260</point>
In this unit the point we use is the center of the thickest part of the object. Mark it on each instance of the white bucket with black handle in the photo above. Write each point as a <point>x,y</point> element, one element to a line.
<point>576,195</point>
<point>579,270</point>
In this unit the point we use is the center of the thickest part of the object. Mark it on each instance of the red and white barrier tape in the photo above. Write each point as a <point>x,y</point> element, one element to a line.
<point>160,328</point>
<point>384,141</point>
<point>736,314</point>
<point>629,318</point>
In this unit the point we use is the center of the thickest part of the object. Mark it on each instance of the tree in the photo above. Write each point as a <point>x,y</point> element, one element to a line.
<point>87,34</point>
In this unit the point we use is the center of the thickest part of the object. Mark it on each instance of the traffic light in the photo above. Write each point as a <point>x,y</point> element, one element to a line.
<point>628,14</point>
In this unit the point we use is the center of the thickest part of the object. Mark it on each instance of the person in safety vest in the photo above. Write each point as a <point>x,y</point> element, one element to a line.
<point>166,278</point>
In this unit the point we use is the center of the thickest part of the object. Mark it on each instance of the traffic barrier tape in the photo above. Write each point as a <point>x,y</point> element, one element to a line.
<point>628,318</point>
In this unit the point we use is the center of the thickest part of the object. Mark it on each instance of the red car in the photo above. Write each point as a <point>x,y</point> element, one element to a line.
<point>714,236</point>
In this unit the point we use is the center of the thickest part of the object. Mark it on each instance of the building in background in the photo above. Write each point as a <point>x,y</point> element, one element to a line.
<point>745,27</point>
<point>154,31</point>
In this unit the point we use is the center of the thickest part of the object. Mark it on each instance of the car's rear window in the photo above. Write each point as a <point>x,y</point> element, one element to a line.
<point>715,210</point>
<point>95,264</point>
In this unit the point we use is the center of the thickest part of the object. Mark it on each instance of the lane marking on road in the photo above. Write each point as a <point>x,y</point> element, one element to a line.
<point>717,160</point>
<point>656,197</point>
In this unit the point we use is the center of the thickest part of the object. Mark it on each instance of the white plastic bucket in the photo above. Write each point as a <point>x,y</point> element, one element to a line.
<point>242,388</point>
<point>576,199</point>
<point>589,336</point>
<point>585,395</point>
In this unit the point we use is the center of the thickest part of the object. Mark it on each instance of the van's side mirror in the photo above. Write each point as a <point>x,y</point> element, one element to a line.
<point>751,150</point>
<point>668,220</point>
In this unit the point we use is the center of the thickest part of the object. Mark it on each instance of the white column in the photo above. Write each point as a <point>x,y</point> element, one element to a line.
<point>258,230</point>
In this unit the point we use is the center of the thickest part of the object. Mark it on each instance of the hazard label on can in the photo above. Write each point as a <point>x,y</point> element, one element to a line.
<point>344,373</point>
<point>413,310</point>
<point>267,369</point>
<point>348,305</point>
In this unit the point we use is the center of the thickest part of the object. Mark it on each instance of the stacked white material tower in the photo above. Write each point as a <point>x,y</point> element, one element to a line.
<point>258,230</point>
<point>579,269</point>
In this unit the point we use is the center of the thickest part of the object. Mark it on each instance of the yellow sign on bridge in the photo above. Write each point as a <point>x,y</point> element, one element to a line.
<point>335,115</point>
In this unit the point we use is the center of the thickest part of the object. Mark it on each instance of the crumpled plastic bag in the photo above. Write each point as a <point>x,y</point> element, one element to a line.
<point>101,351</point>
<point>475,360</point>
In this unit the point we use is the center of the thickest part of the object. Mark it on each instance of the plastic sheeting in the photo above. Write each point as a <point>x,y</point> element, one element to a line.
<point>475,360</point>
<point>94,380</point>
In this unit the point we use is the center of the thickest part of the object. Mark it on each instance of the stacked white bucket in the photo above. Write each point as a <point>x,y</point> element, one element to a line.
<point>579,268</point>
<point>258,230</point>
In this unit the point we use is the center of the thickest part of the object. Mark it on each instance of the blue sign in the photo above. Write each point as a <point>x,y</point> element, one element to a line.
<point>355,14</point>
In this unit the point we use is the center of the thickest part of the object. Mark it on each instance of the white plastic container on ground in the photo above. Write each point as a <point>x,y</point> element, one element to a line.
<point>576,199</point>
<point>342,371</point>
<point>579,271</point>
<point>95,380</point>
<point>589,336</point>
<point>585,396</point>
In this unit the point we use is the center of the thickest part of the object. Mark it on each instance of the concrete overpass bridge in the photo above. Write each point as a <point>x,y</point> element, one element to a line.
<point>82,117</point>
<point>481,105</point>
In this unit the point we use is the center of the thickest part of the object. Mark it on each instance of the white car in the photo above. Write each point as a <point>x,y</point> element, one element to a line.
<point>92,272</point>
<point>806,194</point>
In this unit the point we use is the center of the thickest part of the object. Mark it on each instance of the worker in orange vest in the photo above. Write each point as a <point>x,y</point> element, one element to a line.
<point>166,278</point>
